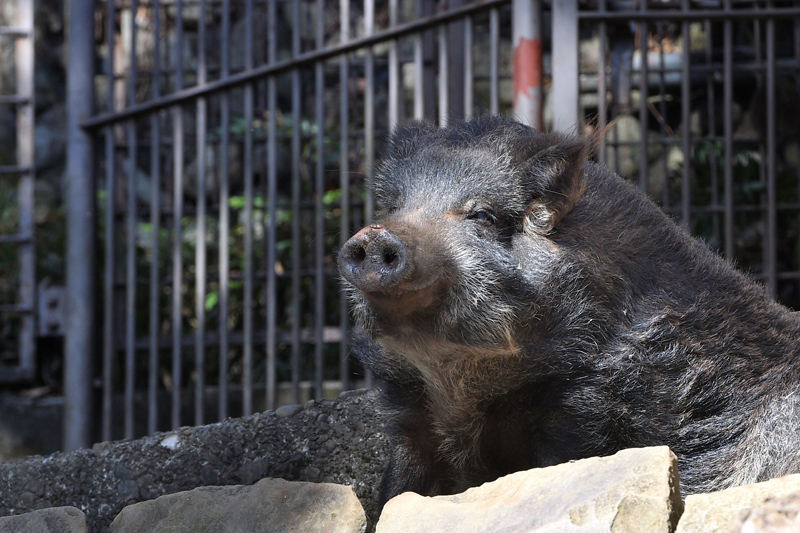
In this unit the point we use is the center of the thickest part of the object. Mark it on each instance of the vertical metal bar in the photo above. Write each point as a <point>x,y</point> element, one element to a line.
<point>200,244</point>
<point>428,55</point>
<point>130,217</point>
<point>458,54</point>
<point>130,282</point>
<point>662,93</point>
<point>796,58</point>
<point>494,61</point>
<point>369,112</point>
<point>296,191</point>
<point>565,65</point>
<point>79,348</point>
<point>686,100</point>
<point>177,255</point>
<point>344,183</point>
<point>224,216</point>
<point>770,245</point>
<point>177,267</point>
<point>127,38</point>
<point>108,288</point>
<point>419,75</point>
<point>369,121</point>
<point>272,206</point>
<point>444,78</point>
<point>757,40</point>
<point>527,70</point>
<point>621,47</point>
<point>469,101</point>
<point>712,121</point>
<point>247,375</point>
<point>644,75</point>
<point>155,224</point>
<point>602,82</point>
<point>110,229</point>
<point>394,71</point>
<point>727,85</point>
<point>319,213</point>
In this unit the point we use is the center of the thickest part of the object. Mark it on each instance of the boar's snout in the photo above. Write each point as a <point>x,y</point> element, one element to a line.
<point>374,259</point>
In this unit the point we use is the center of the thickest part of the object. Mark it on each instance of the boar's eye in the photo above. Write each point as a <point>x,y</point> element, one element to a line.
<point>483,216</point>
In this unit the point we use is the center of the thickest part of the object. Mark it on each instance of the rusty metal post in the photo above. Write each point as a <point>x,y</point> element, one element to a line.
<point>527,69</point>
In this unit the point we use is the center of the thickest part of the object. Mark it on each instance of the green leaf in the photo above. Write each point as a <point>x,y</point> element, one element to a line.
<point>332,197</point>
<point>211,300</point>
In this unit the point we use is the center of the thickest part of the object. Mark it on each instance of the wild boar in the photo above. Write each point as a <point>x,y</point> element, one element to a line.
<point>523,306</point>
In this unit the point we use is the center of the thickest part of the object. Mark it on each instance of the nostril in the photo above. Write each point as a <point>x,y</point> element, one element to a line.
<point>358,255</point>
<point>390,258</point>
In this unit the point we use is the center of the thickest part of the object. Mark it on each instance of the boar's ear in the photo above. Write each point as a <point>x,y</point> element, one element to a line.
<point>556,179</point>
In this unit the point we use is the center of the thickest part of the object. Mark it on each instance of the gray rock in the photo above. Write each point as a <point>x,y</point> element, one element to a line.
<point>725,510</point>
<point>632,491</point>
<point>288,411</point>
<point>53,520</point>
<point>269,505</point>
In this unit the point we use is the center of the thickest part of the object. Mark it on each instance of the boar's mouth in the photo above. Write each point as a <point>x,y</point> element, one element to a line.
<point>405,300</point>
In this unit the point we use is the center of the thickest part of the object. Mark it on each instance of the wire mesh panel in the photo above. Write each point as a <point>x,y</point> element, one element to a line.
<point>238,142</point>
<point>704,101</point>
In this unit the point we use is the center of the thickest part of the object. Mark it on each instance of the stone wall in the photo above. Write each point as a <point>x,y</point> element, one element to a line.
<point>341,442</point>
<point>336,441</point>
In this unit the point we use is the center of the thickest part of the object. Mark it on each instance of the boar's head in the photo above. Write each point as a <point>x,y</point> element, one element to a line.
<point>462,246</point>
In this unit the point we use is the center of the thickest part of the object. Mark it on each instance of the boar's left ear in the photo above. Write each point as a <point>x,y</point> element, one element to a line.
<point>556,179</point>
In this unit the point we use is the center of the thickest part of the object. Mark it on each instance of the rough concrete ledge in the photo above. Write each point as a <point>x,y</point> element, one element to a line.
<point>336,441</point>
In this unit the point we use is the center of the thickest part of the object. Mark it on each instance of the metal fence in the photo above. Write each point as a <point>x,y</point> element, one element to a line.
<point>235,141</point>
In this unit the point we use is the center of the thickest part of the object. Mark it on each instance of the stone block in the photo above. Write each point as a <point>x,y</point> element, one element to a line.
<point>721,511</point>
<point>634,490</point>
<point>268,505</point>
<point>52,520</point>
